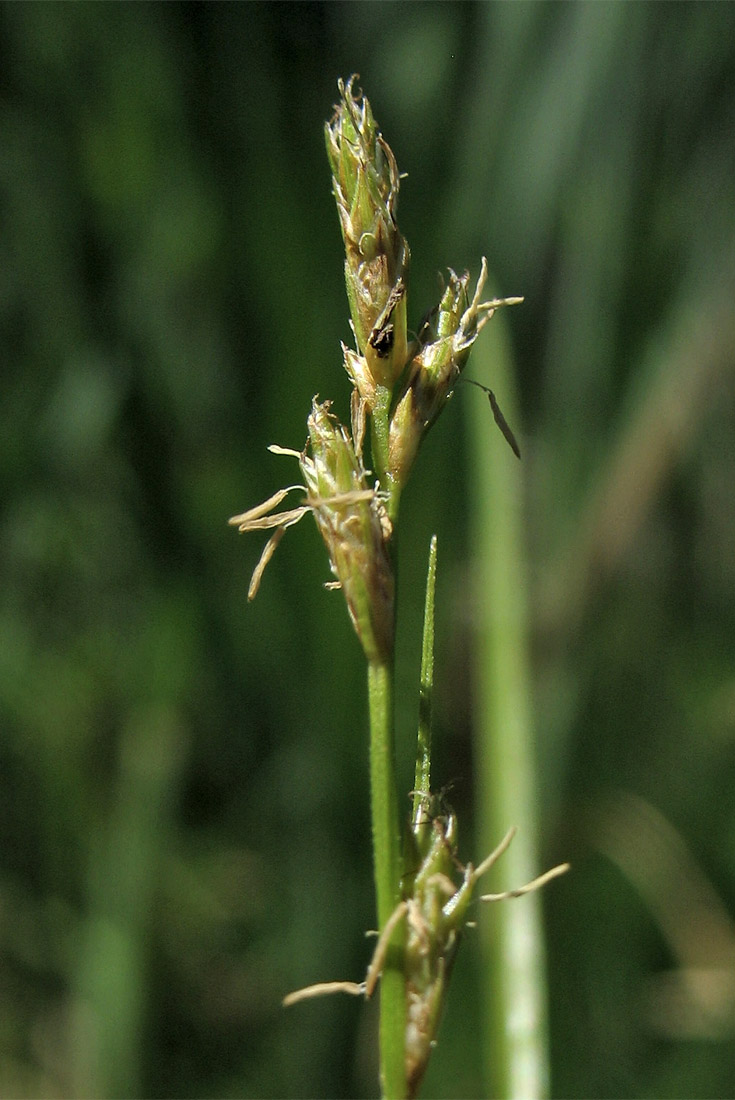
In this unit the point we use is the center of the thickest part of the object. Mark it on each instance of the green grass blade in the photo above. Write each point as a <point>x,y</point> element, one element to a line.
<point>514,990</point>
<point>422,782</point>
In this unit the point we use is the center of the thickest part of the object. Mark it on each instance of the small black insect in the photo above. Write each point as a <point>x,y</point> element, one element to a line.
<point>499,418</point>
<point>381,339</point>
<point>383,335</point>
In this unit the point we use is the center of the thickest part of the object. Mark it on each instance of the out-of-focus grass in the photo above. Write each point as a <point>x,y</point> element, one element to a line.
<point>182,774</point>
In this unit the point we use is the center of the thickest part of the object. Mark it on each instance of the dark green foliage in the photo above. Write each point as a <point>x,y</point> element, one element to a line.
<point>179,772</point>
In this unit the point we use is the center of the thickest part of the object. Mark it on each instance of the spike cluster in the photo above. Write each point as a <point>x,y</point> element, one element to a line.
<point>365,184</point>
<point>434,908</point>
<point>355,527</point>
<point>408,382</point>
<point>442,350</point>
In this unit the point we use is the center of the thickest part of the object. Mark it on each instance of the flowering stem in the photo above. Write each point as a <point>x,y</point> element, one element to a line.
<point>387,857</point>
<point>401,387</point>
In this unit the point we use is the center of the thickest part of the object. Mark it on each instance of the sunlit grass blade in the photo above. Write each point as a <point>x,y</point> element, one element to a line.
<point>513,973</point>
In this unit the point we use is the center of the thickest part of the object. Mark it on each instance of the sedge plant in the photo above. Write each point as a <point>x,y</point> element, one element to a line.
<point>400,385</point>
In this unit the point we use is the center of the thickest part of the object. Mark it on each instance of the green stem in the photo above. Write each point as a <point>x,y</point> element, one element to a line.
<point>381,449</point>
<point>387,864</point>
<point>515,992</point>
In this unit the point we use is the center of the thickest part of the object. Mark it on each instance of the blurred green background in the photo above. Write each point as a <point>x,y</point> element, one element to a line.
<point>184,832</point>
